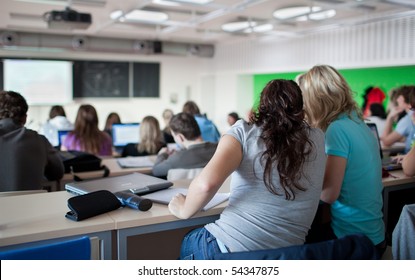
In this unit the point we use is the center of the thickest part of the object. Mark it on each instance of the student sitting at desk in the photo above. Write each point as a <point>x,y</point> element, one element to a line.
<point>151,139</point>
<point>112,118</point>
<point>408,160</point>
<point>57,121</point>
<point>208,129</point>
<point>353,176</point>
<point>194,152</point>
<point>86,136</point>
<point>277,165</point>
<point>404,129</point>
<point>26,157</point>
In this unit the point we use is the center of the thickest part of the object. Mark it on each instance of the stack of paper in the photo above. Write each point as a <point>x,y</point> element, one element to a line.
<point>135,162</point>
<point>164,197</point>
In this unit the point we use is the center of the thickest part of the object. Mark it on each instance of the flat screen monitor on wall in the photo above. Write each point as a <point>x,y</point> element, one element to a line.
<point>41,82</point>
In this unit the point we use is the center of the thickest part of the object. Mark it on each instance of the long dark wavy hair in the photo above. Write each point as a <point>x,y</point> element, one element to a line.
<point>285,133</point>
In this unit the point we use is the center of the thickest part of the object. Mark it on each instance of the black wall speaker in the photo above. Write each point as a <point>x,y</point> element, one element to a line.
<point>157,47</point>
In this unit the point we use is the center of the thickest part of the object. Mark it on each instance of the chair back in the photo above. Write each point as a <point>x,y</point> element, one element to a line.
<point>73,249</point>
<point>14,193</point>
<point>350,247</point>
<point>183,173</point>
<point>403,245</point>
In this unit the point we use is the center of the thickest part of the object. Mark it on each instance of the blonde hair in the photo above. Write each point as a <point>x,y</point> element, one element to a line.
<point>326,95</point>
<point>150,136</point>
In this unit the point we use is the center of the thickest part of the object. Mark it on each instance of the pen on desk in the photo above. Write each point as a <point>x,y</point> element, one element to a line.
<point>391,175</point>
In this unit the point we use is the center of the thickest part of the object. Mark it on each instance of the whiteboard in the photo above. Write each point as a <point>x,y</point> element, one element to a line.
<point>41,82</point>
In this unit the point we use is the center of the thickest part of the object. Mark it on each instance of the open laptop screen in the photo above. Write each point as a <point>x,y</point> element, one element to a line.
<point>374,130</point>
<point>125,133</point>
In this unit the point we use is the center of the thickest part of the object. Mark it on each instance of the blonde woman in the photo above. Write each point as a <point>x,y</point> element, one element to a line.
<point>353,175</point>
<point>151,139</point>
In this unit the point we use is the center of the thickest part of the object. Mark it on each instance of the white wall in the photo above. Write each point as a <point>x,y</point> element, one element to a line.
<point>378,44</point>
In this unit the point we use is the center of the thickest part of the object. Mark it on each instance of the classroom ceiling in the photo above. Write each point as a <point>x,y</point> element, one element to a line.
<point>199,23</point>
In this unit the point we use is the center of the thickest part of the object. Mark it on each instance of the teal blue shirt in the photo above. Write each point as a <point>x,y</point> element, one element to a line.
<point>358,209</point>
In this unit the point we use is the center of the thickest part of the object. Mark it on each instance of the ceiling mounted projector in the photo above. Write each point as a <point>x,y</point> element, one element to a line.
<point>67,19</point>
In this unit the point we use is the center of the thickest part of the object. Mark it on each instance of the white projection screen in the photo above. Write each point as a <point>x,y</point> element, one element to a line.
<point>41,82</point>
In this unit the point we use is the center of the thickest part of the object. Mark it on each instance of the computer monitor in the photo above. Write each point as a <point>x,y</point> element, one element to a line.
<point>125,133</point>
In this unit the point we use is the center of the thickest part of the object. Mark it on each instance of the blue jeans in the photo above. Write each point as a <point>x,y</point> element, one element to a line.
<point>199,244</point>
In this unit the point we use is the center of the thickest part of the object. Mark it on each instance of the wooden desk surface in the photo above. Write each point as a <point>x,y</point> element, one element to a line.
<point>113,166</point>
<point>397,178</point>
<point>160,213</point>
<point>35,217</point>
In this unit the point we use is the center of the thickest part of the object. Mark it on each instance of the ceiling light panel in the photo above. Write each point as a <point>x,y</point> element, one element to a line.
<point>148,16</point>
<point>198,2</point>
<point>322,15</point>
<point>166,3</point>
<point>237,26</point>
<point>292,12</point>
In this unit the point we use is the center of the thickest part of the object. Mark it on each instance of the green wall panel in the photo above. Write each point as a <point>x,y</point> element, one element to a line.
<point>386,78</point>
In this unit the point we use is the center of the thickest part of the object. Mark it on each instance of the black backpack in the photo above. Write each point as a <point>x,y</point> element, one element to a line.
<point>76,161</point>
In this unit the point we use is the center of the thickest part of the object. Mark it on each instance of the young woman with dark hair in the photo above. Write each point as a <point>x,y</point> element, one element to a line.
<point>112,118</point>
<point>277,165</point>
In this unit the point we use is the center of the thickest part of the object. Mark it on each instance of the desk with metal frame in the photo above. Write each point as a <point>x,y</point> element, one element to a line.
<point>114,168</point>
<point>396,184</point>
<point>159,219</point>
<point>40,218</point>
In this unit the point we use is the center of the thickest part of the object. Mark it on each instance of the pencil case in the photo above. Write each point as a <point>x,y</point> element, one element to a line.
<point>91,204</point>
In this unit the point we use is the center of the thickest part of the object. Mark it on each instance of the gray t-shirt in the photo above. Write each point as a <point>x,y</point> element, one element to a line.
<point>257,219</point>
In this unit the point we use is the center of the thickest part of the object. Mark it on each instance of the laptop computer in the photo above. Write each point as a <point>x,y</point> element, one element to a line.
<point>387,162</point>
<point>136,183</point>
<point>125,133</point>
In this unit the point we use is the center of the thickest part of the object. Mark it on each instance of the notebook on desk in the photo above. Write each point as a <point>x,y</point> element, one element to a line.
<point>387,162</point>
<point>137,183</point>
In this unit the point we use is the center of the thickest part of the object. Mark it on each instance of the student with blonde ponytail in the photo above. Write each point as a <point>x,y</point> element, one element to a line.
<point>353,176</point>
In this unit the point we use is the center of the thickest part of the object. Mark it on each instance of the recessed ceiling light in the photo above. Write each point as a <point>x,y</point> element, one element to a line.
<point>143,15</point>
<point>246,27</point>
<point>301,18</point>
<point>166,3</point>
<point>238,26</point>
<point>116,14</point>
<point>199,2</point>
<point>292,12</point>
<point>322,15</point>
<point>263,28</point>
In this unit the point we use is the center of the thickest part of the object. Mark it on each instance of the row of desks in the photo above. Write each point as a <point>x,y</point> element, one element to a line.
<point>41,217</point>
<point>112,165</point>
